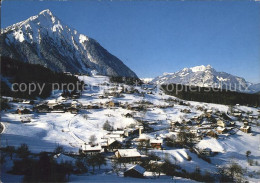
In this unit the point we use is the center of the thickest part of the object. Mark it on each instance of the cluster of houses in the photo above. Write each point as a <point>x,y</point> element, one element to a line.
<point>58,106</point>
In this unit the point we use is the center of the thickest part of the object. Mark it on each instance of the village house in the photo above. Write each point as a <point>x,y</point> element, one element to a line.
<point>186,111</point>
<point>90,149</point>
<point>25,119</point>
<point>102,96</point>
<point>75,95</point>
<point>200,108</point>
<point>76,104</point>
<point>112,104</point>
<point>121,133</point>
<point>209,111</point>
<point>135,171</point>
<point>23,111</point>
<point>246,123</point>
<point>52,103</point>
<point>42,108</point>
<point>128,115</point>
<point>156,143</point>
<point>253,116</point>
<point>117,95</point>
<point>114,145</point>
<point>61,158</point>
<point>174,125</point>
<point>212,133</point>
<point>72,110</point>
<point>28,102</point>
<point>221,130</point>
<point>206,152</point>
<point>128,155</point>
<point>135,107</point>
<point>92,106</point>
<point>142,138</point>
<point>59,108</point>
<point>237,114</point>
<point>221,123</point>
<point>245,129</point>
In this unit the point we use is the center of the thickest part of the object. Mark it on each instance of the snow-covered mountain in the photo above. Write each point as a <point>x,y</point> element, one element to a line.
<point>206,76</point>
<point>44,39</point>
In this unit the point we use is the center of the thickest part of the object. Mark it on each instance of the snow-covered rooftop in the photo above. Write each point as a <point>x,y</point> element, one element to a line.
<point>129,153</point>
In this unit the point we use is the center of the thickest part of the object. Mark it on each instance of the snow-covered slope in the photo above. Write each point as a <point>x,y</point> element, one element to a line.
<point>44,39</point>
<point>206,76</point>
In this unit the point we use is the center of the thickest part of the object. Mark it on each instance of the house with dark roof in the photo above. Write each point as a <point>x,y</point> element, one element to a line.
<point>128,155</point>
<point>136,171</point>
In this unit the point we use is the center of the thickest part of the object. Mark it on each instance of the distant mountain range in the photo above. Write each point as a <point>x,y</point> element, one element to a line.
<point>206,76</point>
<point>43,39</point>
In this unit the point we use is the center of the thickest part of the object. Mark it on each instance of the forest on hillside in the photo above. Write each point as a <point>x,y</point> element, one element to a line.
<point>211,95</point>
<point>20,72</point>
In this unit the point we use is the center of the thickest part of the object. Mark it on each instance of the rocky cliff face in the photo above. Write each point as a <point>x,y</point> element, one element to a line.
<point>44,39</point>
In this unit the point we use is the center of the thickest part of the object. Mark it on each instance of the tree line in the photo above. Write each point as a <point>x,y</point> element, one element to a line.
<point>211,95</point>
<point>21,72</point>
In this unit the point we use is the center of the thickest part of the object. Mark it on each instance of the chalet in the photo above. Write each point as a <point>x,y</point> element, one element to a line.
<point>206,152</point>
<point>121,133</point>
<point>237,114</point>
<point>23,111</point>
<point>189,123</point>
<point>112,104</point>
<point>28,102</point>
<point>75,104</point>
<point>212,133</point>
<point>253,116</point>
<point>245,129</point>
<point>92,106</point>
<point>52,103</point>
<point>156,143</point>
<point>90,149</point>
<point>72,110</point>
<point>112,136</point>
<point>221,123</point>
<point>102,96</point>
<point>142,138</point>
<point>104,145</point>
<point>114,145</point>
<point>117,95</point>
<point>186,111</point>
<point>208,114</point>
<point>75,94</point>
<point>221,130</point>
<point>135,171</point>
<point>58,108</point>
<point>67,104</point>
<point>61,99</point>
<point>209,111</point>
<point>68,73</point>
<point>25,119</point>
<point>135,107</point>
<point>246,123</point>
<point>43,108</point>
<point>200,108</point>
<point>195,132</point>
<point>128,115</point>
<point>225,116</point>
<point>128,155</point>
<point>175,124</point>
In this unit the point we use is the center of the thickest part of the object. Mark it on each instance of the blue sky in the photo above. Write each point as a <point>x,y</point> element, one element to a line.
<point>152,37</point>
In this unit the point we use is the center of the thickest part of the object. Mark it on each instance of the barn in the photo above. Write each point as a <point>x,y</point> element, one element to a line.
<point>135,171</point>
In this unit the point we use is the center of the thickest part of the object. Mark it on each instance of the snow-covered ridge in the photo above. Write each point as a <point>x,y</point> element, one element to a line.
<point>44,39</point>
<point>207,76</point>
<point>200,68</point>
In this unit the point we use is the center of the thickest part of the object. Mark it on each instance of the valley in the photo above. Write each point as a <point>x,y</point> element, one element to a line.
<point>136,116</point>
